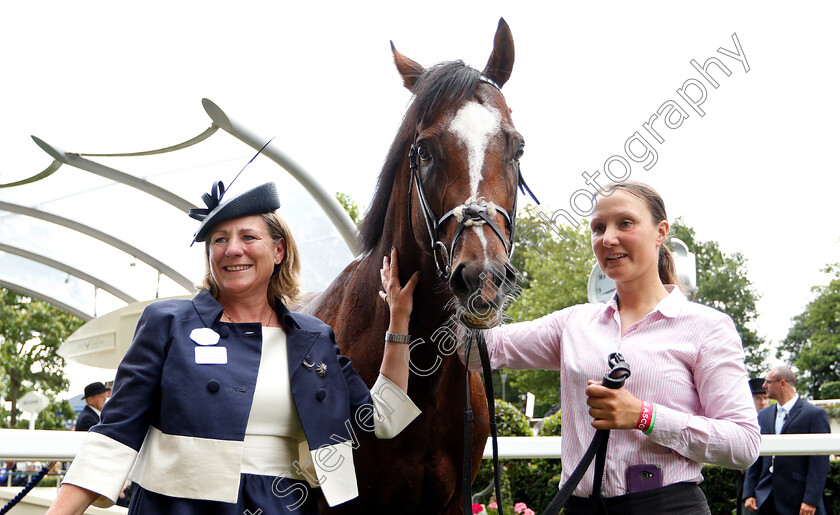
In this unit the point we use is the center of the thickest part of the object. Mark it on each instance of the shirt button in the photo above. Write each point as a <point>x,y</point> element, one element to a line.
<point>321,395</point>
<point>224,331</point>
<point>212,386</point>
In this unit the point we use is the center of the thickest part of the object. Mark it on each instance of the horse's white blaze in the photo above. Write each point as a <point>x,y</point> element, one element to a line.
<point>474,125</point>
<point>479,230</point>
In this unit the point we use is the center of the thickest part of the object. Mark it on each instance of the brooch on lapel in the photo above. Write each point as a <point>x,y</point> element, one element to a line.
<point>321,369</point>
<point>307,364</point>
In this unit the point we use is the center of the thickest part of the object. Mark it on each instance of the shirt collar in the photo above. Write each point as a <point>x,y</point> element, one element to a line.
<point>789,404</point>
<point>670,306</point>
<point>610,307</point>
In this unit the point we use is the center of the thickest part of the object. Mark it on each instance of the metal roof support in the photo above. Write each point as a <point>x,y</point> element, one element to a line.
<point>162,267</point>
<point>46,298</point>
<point>113,290</point>
<point>115,175</point>
<point>337,215</point>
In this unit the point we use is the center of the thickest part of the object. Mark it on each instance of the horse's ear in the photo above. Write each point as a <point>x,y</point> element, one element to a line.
<point>500,63</point>
<point>410,70</point>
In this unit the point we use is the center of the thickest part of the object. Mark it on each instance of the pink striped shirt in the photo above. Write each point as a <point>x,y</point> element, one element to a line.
<point>684,357</point>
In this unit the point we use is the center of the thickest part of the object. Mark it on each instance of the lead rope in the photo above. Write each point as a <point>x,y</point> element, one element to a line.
<point>614,379</point>
<point>468,419</point>
<point>29,486</point>
<point>466,483</point>
<point>491,411</point>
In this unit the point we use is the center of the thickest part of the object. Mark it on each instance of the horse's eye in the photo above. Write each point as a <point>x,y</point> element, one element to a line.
<point>519,152</point>
<point>423,152</point>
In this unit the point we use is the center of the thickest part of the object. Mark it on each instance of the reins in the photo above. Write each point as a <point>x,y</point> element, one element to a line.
<point>478,337</point>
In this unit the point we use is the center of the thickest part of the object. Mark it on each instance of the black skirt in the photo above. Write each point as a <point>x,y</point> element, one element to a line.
<point>675,499</point>
<point>258,495</point>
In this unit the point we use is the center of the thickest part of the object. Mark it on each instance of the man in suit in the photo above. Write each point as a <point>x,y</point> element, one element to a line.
<point>787,484</point>
<point>95,396</point>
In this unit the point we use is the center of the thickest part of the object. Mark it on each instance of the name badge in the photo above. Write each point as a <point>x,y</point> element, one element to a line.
<point>204,336</point>
<point>211,355</point>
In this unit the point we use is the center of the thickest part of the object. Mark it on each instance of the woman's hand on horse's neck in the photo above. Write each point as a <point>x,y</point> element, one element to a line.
<point>400,301</point>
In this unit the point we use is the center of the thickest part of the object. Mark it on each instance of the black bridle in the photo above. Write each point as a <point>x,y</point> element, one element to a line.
<point>472,213</point>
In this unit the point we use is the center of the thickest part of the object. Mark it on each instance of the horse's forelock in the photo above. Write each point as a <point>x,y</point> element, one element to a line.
<point>446,85</point>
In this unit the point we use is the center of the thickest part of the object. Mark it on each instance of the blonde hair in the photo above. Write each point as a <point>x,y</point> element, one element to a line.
<point>284,284</point>
<point>666,264</point>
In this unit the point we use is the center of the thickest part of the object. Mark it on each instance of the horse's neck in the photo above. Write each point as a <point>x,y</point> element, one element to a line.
<point>352,304</point>
<point>430,297</point>
<point>354,294</point>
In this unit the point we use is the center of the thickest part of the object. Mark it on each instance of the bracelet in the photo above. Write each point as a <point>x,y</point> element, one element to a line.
<point>652,421</point>
<point>397,338</point>
<point>646,418</point>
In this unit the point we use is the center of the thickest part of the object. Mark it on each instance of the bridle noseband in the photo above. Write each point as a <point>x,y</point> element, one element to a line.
<point>473,212</point>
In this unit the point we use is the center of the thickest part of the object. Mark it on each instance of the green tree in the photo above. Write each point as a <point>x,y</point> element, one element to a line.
<point>553,262</point>
<point>349,205</point>
<point>813,342</point>
<point>722,283</point>
<point>30,334</point>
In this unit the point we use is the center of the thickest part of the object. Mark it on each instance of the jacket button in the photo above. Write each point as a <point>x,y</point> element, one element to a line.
<point>321,395</point>
<point>212,386</point>
<point>224,331</point>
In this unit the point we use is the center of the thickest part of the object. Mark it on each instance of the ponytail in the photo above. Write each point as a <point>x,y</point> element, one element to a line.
<point>668,268</point>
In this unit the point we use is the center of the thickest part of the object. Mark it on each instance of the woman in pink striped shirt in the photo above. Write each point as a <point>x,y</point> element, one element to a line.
<point>686,402</point>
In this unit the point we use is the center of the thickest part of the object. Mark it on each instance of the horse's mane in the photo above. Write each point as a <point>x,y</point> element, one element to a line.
<point>446,85</point>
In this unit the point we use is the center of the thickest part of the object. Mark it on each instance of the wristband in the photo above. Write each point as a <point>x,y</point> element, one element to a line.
<point>646,417</point>
<point>652,421</point>
<point>397,338</point>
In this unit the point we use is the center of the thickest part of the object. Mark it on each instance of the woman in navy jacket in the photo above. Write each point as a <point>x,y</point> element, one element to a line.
<point>229,403</point>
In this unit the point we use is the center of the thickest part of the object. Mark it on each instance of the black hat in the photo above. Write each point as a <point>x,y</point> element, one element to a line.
<point>256,201</point>
<point>94,389</point>
<point>757,385</point>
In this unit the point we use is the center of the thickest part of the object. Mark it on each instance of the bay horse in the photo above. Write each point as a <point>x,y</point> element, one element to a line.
<point>446,200</point>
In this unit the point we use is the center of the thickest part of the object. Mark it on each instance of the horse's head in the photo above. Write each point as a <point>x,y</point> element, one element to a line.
<point>464,163</point>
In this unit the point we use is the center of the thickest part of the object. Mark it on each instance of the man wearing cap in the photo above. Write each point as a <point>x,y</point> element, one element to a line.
<point>788,484</point>
<point>95,396</point>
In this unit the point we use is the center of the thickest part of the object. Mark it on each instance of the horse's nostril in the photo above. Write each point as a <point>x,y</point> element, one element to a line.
<point>459,281</point>
<point>468,280</point>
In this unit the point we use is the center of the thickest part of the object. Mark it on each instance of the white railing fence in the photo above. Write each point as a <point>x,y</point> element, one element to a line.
<point>40,445</point>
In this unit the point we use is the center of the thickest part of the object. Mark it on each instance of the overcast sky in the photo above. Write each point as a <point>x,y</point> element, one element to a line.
<point>757,172</point>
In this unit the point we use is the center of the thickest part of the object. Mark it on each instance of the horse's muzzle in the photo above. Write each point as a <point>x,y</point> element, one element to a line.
<point>481,294</point>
